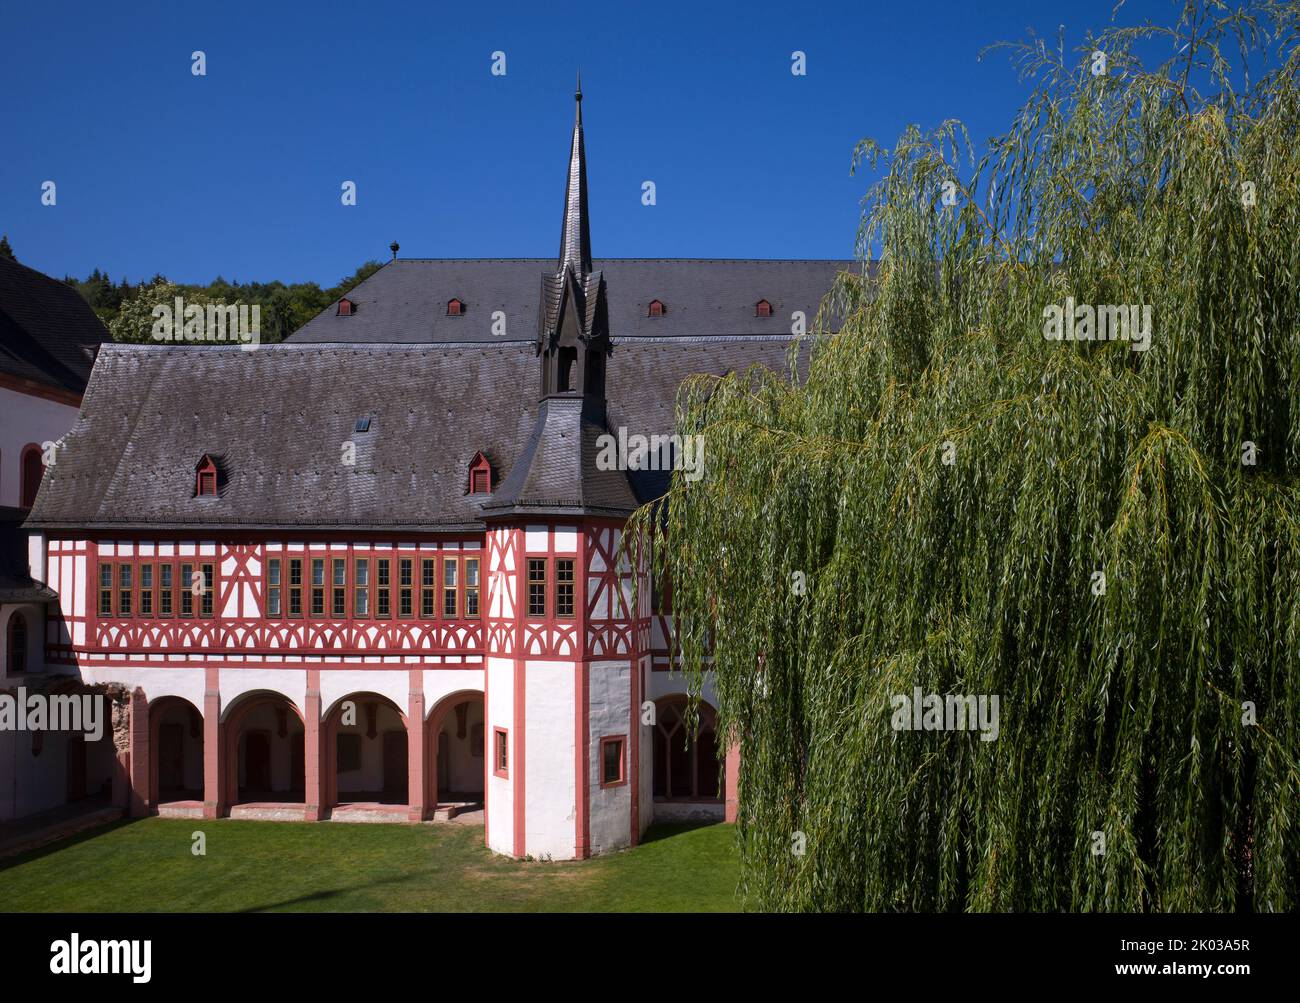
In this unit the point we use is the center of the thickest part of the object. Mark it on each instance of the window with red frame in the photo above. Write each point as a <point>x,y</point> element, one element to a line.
<point>500,752</point>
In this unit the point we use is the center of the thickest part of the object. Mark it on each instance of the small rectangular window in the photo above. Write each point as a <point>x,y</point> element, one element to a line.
<point>165,585</point>
<point>295,586</point>
<point>187,590</point>
<point>471,586</point>
<point>205,601</point>
<point>536,587</point>
<point>273,586</point>
<point>500,752</point>
<point>382,587</point>
<point>106,590</point>
<point>450,605</point>
<point>124,590</point>
<point>611,761</point>
<point>564,587</point>
<point>361,587</point>
<point>318,586</point>
<point>339,585</point>
<point>146,590</point>
<point>428,586</point>
<point>405,588</point>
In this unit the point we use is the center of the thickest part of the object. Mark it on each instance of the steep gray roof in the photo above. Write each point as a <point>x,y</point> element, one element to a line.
<point>406,300</point>
<point>279,417</point>
<point>48,333</point>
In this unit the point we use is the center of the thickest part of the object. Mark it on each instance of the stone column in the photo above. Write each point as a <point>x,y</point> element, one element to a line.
<point>139,754</point>
<point>417,750</point>
<point>314,761</point>
<point>214,760</point>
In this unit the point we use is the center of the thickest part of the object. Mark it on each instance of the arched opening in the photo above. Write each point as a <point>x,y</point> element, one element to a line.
<point>265,746</point>
<point>366,753</point>
<point>176,743</point>
<point>18,642</point>
<point>686,766</point>
<point>31,471</point>
<point>457,750</point>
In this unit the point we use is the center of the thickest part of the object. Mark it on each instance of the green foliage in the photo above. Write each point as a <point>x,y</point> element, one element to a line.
<point>127,310</point>
<point>1120,713</point>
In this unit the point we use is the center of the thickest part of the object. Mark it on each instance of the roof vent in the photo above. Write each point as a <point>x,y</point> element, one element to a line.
<point>346,307</point>
<point>455,307</point>
<point>656,308</point>
<point>762,309</point>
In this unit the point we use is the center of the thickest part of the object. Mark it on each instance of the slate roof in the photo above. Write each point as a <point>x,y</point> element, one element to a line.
<point>48,333</point>
<point>406,301</point>
<point>279,417</point>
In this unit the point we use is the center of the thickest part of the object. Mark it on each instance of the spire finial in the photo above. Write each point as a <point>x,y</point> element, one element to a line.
<point>575,239</point>
<point>577,94</point>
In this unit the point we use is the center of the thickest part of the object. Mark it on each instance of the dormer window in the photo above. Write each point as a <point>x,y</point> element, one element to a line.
<point>480,475</point>
<point>762,309</point>
<point>656,308</point>
<point>346,307</point>
<point>205,477</point>
<point>455,307</point>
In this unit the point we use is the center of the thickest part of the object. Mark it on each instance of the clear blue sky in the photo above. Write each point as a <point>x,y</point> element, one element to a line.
<point>238,173</point>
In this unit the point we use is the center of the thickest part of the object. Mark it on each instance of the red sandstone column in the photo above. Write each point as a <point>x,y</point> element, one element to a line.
<point>313,760</point>
<point>139,753</point>
<point>417,750</point>
<point>732,779</point>
<point>214,773</point>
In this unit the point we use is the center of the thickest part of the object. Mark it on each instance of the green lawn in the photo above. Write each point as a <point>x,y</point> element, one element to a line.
<point>147,865</point>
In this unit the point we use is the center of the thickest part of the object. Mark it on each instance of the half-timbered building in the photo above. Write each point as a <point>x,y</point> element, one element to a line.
<point>375,571</point>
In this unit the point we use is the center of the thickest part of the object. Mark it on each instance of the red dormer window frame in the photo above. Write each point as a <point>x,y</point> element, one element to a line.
<point>346,307</point>
<point>205,478</point>
<point>762,309</point>
<point>455,307</point>
<point>480,475</point>
<point>656,309</point>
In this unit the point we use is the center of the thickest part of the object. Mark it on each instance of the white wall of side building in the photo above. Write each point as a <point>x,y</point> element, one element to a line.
<point>27,419</point>
<point>499,796</point>
<point>550,759</point>
<point>609,688</point>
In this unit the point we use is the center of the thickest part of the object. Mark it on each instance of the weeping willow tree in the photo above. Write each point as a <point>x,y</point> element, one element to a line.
<point>942,497</point>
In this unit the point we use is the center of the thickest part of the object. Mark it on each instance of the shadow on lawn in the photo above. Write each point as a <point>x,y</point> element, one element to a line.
<point>62,843</point>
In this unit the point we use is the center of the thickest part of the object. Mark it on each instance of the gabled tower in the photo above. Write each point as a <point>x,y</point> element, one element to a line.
<point>573,326</point>
<point>562,658</point>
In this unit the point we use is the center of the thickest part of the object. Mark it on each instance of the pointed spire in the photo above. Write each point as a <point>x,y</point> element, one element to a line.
<point>575,240</point>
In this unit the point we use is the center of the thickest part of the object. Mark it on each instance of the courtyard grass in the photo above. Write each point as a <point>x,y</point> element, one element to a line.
<point>147,866</point>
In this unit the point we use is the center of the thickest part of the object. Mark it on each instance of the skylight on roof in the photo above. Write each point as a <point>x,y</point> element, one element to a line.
<point>362,425</point>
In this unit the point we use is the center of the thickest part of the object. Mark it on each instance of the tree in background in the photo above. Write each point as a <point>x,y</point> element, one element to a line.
<point>942,498</point>
<point>127,310</point>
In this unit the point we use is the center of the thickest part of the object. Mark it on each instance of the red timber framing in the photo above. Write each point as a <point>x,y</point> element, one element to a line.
<point>424,597</point>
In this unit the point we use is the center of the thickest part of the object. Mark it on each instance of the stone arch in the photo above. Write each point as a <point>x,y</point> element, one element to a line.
<point>686,767</point>
<point>176,751</point>
<point>380,734</point>
<point>265,750</point>
<point>457,764</point>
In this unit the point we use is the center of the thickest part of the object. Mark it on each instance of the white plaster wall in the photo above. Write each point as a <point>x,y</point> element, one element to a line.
<point>500,792</point>
<point>609,688</point>
<point>178,681</point>
<point>549,757</point>
<point>662,684</point>
<point>291,683</point>
<point>441,683</point>
<point>33,783</point>
<point>458,759</point>
<point>26,419</point>
<point>370,777</point>
<point>335,684</point>
<point>646,804</point>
